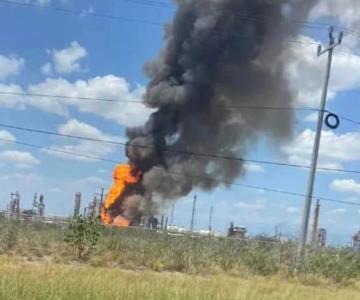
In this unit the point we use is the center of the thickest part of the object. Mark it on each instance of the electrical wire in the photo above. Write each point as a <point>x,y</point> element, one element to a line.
<point>178,151</point>
<point>305,24</point>
<point>120,18</point>
<point>158,4</point>
<point>227,183</point>
<point>348,120</point>
<point>251,17</point>
<point>134,101</point>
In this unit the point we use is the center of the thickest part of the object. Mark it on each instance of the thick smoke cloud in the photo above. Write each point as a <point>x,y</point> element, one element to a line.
<point>215,56</point>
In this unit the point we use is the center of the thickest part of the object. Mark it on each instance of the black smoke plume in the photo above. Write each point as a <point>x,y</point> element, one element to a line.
<point>218,54</point>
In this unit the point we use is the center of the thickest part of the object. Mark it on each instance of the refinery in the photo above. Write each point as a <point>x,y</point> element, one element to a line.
<point>95,208</point>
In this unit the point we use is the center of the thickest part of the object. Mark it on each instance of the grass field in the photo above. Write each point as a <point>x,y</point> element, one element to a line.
<point>37,263</point>
<point>23,280</point>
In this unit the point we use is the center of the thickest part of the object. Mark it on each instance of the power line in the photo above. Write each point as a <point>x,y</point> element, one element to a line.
<point>149,3</point>
<point>261,18</point>
<point>47,149</point>
<point>80,12</point>
<point>178,151</point>
<point>250,17</point>
<point>348,120</point>
<point>248,186</point>
<point>342,117</point>
<point>272,190</point>
<point>311,25</point>
<point>124,19</point>
<point>134,101</point>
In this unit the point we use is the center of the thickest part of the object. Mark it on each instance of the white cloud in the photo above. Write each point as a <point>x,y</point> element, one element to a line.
<point>10,65</point>
<point>24,178</point>
<point>86,12</point>
<point>55,190</point>
<point>19,158</point>
<point>67,60</point>
<point>12,101</point>
<point>42,2</point>
<point>251,205</point>
<point>251,167</point>
<point>78,128</point>
<point>346,11</point>
<point>95,180</point>
<point>306,73</point>
<point>336,211</point>
<point>345,185</point>
<point>6,135</point>
<point>46,69</point>
<point>86,148</point>
<point>334,150</point>
<point>107,87</point>
<point>311,118</point>
<point>91,183</point>
<point>292,210</point>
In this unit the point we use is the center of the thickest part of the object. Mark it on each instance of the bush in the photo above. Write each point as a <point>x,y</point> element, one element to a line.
<point>82,235</point>
<point>140,249</point>
<point>338,265</point>
<point>260,262</point>
<point>8,236</point>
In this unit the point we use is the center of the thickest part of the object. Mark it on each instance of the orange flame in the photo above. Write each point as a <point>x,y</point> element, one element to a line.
<point>123,175</point>
<point>120,221</point>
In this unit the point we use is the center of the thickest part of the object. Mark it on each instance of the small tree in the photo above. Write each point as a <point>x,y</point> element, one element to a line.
<point>82,235</point>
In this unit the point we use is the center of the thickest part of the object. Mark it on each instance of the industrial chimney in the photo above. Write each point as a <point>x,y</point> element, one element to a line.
<point>77,204</point>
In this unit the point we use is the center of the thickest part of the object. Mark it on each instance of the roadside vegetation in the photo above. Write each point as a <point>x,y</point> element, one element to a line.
<point>83,247</point>
<point>21,280</point>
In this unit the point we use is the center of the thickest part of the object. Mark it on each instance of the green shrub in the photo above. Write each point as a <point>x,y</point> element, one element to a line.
<point>260,262</point>
<point>9,235</point>
<point>140,249</point>
<point>82,235</point>
<point>338,265</point>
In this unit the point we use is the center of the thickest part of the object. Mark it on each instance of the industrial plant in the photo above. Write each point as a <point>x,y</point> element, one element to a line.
<point>160,223</point>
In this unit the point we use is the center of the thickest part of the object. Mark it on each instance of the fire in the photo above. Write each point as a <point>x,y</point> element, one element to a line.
<point>123,175</point>
<point>120,221</point>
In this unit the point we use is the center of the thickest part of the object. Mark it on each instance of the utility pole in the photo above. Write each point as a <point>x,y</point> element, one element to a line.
<point>210,219</point>
<point>278,231</point>
<point>172,213</point>
<point>309,195</point>
<point>315,223</point>
<point>101,197</point>
<point>193,215</point>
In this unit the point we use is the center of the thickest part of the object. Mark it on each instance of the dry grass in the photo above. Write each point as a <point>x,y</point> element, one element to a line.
<point>134,249</point>
<point>39,281</point>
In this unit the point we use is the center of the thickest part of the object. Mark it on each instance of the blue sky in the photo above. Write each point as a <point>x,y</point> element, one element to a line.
<point>43,51</point>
